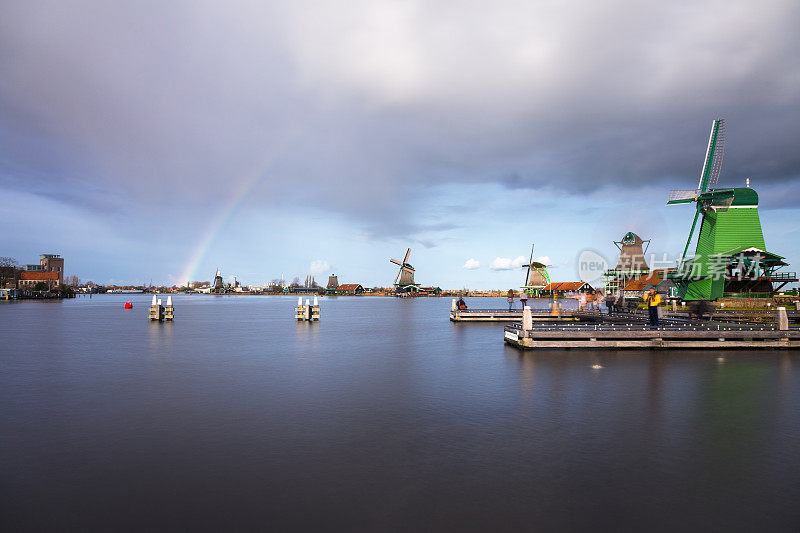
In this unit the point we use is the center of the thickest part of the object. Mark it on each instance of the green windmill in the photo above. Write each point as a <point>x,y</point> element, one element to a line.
<point>730,257</point>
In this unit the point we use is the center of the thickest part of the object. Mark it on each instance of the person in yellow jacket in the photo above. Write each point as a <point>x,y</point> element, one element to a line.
<point>653,300</point>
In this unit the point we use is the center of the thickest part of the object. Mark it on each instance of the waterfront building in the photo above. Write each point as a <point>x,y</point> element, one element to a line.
<point>658,278</point>
<point>48,263</point>
<point>565,287</point>
<point>430,291</point>
<point>29,279</point>
<point>350,289</point>
<point>53,263</point>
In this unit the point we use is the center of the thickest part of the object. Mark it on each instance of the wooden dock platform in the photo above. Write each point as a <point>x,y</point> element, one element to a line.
<point>637,335</point>
<point>546,315</point>
<point>752,316</point>
<point>504,315</point>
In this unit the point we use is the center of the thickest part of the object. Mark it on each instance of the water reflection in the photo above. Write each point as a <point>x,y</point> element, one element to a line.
<point>382,409</point>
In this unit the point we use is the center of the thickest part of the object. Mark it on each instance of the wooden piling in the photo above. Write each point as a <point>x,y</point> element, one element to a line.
<point>782,319</point>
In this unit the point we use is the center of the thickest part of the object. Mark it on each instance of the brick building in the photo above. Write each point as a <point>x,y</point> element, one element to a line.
<point>28,279</point>
<point>49,270</point>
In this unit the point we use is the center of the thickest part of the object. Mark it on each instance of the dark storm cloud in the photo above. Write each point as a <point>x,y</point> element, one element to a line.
<point>360,106</point>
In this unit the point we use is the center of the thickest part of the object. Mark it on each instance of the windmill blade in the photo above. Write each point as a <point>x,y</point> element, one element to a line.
<point>408,252</point>
<point>683,196</point>
<point>396,262</point>
<point>408,267</point>
<point>719,154</point>
<point>528,272</point>
<point>398,276</point>
<point>712,164</point>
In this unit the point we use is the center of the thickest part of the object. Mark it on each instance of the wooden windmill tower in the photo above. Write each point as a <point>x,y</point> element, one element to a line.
<point>405,275</point>
<point>536,277</point>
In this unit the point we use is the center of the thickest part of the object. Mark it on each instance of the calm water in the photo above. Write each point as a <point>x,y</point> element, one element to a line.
<point>383,416</point>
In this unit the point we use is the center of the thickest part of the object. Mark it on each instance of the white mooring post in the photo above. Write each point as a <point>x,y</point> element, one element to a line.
<point>527,319</point>
<point>299,311</point>
<point>453,305</point>
<point>782,320</point>
<point>307,310</point>
<point>315,309</point>
<point>674,306</point>
<point>169,312</point>
<point>154,313</point>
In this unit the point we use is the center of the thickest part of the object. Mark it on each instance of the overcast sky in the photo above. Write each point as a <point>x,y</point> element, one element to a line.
<point>161,140</point>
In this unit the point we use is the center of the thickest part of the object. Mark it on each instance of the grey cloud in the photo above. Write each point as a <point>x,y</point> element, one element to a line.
<point>358,107</point>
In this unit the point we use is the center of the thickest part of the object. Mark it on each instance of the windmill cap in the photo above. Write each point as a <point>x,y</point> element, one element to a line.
<point>631,238</point>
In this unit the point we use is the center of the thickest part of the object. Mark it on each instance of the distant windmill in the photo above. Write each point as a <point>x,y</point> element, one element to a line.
<point>405,275</point>
<point>536,277</point>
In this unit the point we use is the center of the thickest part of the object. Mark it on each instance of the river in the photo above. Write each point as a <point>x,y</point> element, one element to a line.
<point>382,416</point>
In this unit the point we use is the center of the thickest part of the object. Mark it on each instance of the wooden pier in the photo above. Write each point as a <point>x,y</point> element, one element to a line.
<point>504,315</point>
<point>639,336</point>
<point>547,315</point>
<point>745,316</point>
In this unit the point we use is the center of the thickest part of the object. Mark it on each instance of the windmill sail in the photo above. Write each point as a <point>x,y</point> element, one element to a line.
<point>709,176</point>
<point>712,166</point>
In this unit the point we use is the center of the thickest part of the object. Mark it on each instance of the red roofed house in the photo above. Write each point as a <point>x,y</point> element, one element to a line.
<point>656,278</point>
<point>563,287</point>
<point>28,279</point>
<point>350,288</point>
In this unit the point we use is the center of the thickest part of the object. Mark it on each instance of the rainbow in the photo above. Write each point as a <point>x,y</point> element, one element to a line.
<point>231,206</point>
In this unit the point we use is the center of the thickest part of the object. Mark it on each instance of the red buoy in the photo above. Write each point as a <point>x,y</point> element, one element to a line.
<point>128,305</point>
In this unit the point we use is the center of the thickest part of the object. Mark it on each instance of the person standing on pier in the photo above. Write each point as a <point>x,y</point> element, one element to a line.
<point>620,302</point>
<point>510,296</point>
<point>523,299</point>
<point>653,300</point>
<point>611,301</point>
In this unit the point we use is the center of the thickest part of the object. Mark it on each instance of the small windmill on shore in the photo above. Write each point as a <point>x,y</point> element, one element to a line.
<point>405,275</point>
<point>536,277</point>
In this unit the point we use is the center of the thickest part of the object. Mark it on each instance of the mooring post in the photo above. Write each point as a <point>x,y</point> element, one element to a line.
<point>527,319</point>
<point>307,310</point>
<point>782,320</point>
<point>453,305</point>
<point>169,312</point>
<point>154,312</point>
<point>674,306</point>
<point>299,311</point>
<point>797,305</point>
<point>315,310</point>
